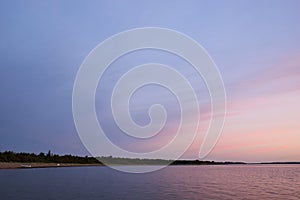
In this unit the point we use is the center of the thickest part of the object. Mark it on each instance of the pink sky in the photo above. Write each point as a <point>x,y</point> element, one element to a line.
<point>262,123</point>
<point>255,45</point>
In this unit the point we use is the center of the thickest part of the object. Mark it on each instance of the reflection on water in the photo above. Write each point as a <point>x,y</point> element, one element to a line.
<point>174,182</point>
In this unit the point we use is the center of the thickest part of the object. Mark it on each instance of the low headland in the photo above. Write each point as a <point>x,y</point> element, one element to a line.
<point>13,160</point>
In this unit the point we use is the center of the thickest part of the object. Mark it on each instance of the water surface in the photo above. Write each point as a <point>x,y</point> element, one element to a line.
<point>173,182</point>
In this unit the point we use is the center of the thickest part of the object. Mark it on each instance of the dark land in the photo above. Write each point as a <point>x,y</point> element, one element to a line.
<point>10,159</point>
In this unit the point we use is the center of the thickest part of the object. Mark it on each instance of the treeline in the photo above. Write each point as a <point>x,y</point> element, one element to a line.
<point>109,160</point>
<point>10,156</point>
<point>137,161</point>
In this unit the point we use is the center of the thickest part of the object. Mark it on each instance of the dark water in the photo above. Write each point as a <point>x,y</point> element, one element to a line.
<point>175,182</point>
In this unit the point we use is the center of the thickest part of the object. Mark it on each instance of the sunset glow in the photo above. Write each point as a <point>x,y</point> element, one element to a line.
<point>255,45</point>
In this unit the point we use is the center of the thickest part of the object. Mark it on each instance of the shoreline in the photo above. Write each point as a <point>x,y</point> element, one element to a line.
<point>28,165</point>
<point>18,165</point>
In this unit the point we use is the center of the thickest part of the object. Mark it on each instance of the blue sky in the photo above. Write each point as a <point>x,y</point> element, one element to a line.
<point>43,43</point>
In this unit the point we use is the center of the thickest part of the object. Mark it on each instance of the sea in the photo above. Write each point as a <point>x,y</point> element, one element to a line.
<point>173,182</point>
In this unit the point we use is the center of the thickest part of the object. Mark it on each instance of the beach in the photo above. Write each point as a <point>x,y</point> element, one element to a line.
<point>15,165</point>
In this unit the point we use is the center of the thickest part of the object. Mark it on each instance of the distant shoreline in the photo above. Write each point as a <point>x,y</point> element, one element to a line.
<point>13,160</point>
<point>18,165</point>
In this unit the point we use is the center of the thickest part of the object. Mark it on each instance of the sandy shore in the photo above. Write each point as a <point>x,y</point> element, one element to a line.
<point>12,165</point>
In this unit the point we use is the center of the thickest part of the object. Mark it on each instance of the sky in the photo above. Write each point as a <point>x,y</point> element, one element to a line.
<point>255,44</point>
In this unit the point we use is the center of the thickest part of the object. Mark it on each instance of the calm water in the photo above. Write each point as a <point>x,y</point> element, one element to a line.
<point>175,182</point>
